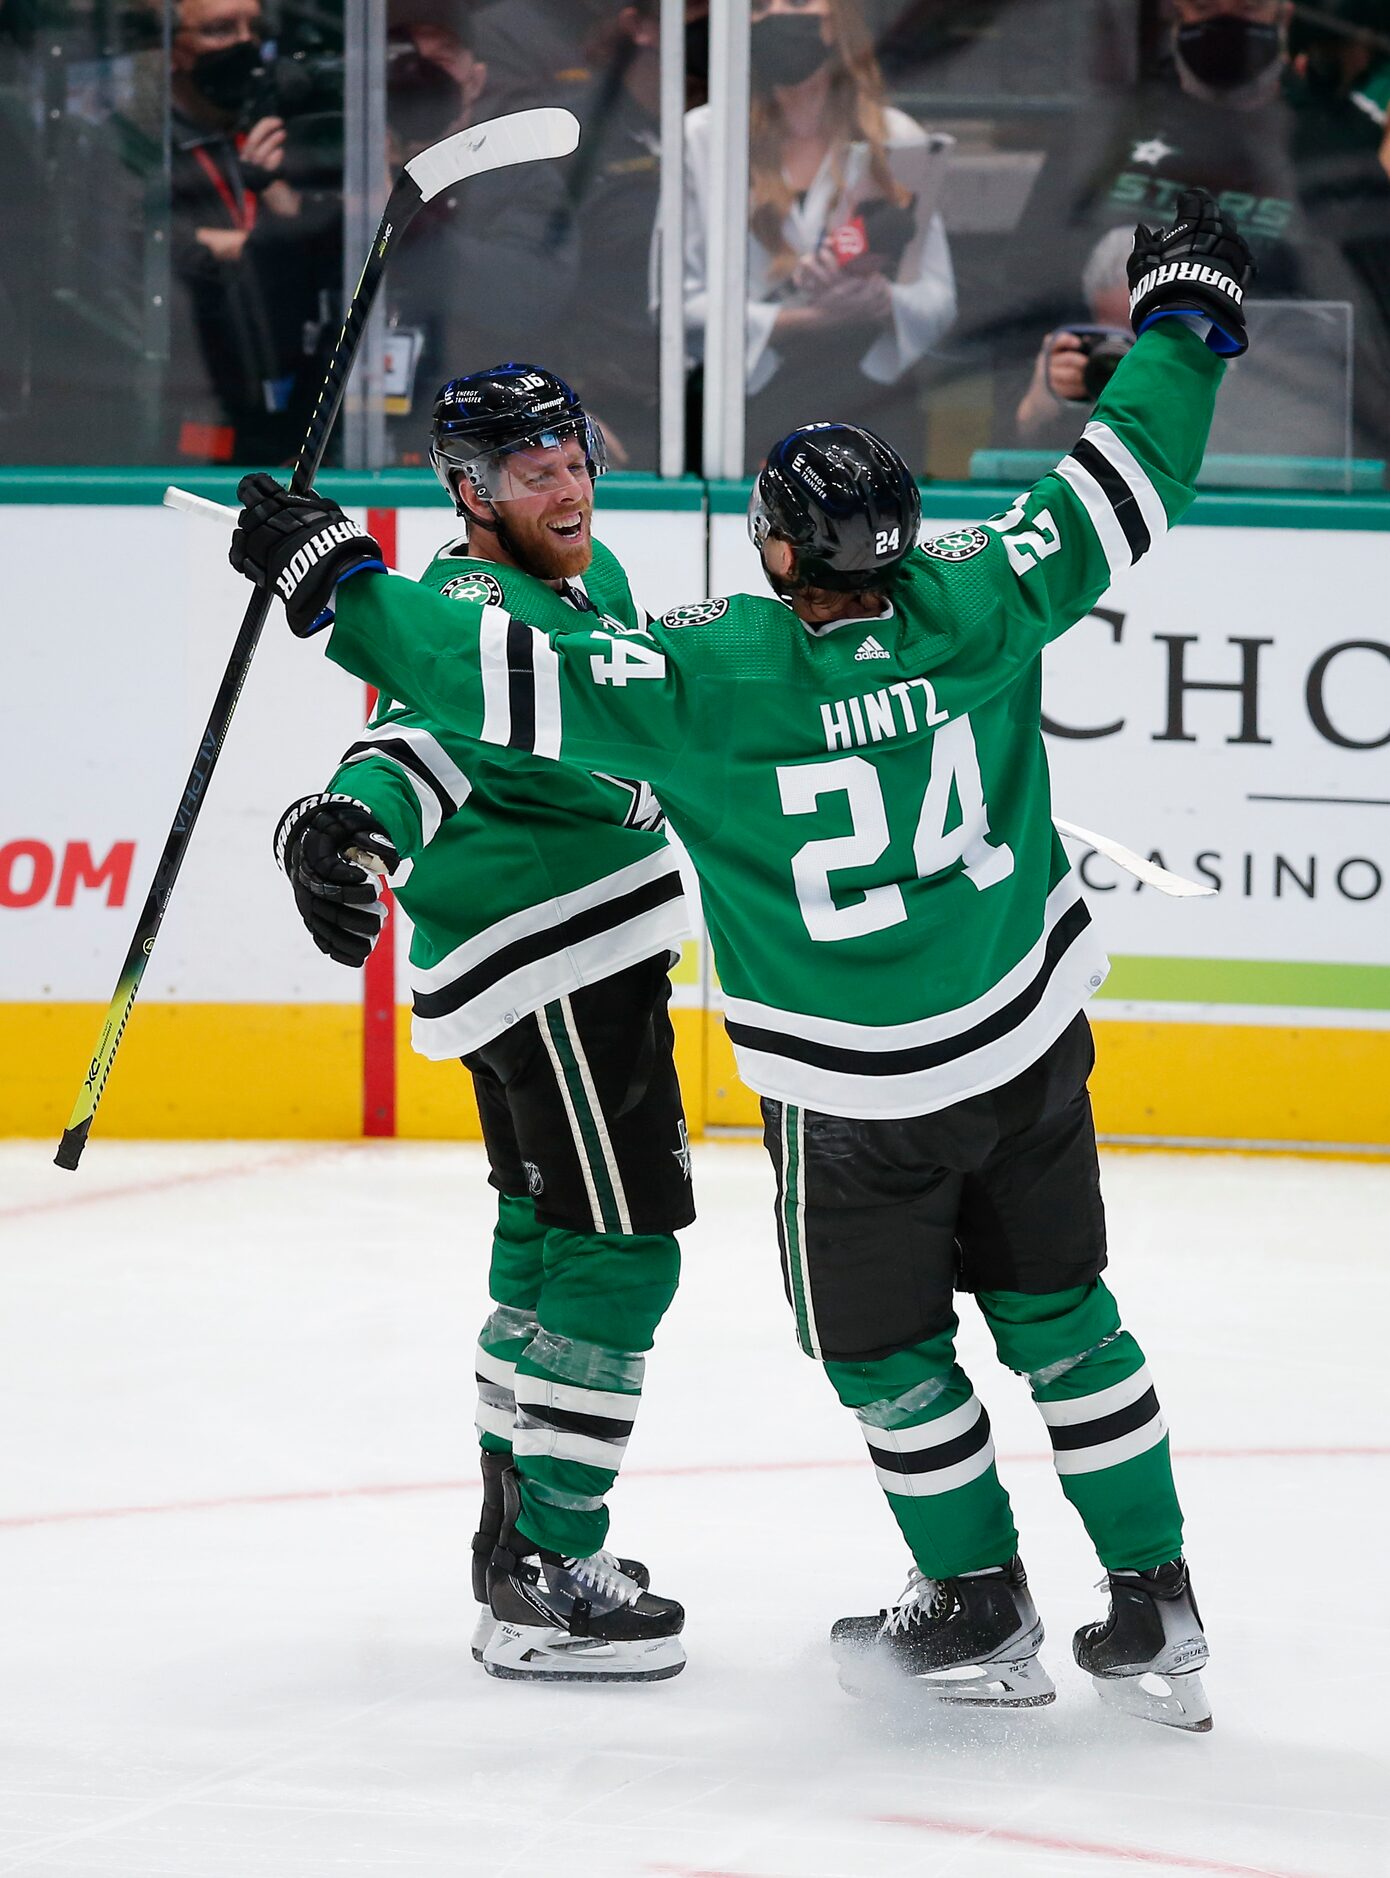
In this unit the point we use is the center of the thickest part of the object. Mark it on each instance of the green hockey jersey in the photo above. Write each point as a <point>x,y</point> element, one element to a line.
<point>524,879</point>
<point>894,919</point>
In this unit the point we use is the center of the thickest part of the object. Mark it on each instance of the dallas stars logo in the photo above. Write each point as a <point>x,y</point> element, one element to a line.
<point>1151,151</point>
<point>962,544</point>
<point>682,1153</point>
<point>481,589</point>
<point>700,614</point>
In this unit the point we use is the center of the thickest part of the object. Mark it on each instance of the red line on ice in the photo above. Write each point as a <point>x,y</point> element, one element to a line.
<point>1046,1842</point>
<point>386,1489</point>
<point>233,1170</point>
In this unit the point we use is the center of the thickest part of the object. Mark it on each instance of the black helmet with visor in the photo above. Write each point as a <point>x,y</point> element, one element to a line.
<point>497,428</point>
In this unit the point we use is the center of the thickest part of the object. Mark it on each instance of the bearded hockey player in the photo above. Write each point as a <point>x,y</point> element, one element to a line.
<point>862,784</point>
<point>545,904</point>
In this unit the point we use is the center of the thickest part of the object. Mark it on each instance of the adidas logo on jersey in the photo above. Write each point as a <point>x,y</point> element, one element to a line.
<point>871,649</point>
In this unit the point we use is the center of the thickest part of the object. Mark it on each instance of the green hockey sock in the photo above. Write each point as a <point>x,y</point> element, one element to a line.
<point>1109,1438</point>
<point>579,1381</point>
<point>929,1441</point>
<point>514,1284</point>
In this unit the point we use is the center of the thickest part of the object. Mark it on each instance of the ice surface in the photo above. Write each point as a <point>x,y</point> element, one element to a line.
<point>237,1495</point>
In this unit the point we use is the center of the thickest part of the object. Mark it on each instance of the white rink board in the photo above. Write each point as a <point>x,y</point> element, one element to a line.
<point>114,676</point>
<point>1306,592</point>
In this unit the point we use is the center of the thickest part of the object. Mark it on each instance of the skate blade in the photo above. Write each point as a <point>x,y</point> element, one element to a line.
<point>1020,1682</point>
<point>482,1633</point>
<point>1172,1701</point>
<point>528,1653</point>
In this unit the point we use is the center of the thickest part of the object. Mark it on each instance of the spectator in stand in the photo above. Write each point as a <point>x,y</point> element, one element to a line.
<point>849,274</point>
<point>537,51</point>
<point>491,265</point>
<point>1075,363</point>
<point>256,261</point>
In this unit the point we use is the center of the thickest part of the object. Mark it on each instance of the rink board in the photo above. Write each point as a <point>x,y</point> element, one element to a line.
<point>1226,709</point>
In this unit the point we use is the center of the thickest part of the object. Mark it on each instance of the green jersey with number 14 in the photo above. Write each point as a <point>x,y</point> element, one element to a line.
<point>894,919</point>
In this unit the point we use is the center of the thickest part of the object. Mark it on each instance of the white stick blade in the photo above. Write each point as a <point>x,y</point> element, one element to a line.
<point>522,137</point>
<point>184,499</point>
<point>1149,872</point>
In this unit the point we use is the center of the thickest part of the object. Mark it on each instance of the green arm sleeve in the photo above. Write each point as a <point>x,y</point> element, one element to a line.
<point>599,700</point>
<point>1130,475</point>
<point>381,787</point>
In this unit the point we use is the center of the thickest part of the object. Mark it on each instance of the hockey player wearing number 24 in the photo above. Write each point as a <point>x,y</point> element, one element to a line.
<point>545,903</point>
<point>862,786</point>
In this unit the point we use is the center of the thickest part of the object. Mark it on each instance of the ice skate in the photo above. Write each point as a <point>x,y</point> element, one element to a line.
<point>1144,1657</point>
<point>574,1619</point>
<point>973,1639</point>
<point>485,1541</point>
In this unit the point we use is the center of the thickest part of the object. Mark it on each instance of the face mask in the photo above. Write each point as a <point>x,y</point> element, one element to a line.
<point>224,77</point>
<point>1228,52</point>
<point>785,48</point>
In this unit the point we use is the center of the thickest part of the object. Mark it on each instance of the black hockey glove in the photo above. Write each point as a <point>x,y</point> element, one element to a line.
<point>337,900</point>
<point>298,546</point>
<point>1199,265</point>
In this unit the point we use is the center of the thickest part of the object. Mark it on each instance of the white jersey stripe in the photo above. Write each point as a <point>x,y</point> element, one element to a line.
<point>492,653</point>
<point>1088,492</point>
<point>545,663</point>
<point>1123,459</point>
<point>493,1421</point>
<point>494,1369</point>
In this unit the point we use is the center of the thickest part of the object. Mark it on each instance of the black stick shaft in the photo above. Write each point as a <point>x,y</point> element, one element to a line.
<point>405,198</point>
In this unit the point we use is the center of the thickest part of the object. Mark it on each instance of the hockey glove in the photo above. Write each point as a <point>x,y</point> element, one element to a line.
<point>1200,265</point>
<point>338,901</point>
<point>299,547</point>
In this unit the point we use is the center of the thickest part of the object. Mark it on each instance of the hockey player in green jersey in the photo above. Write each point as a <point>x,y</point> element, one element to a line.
<point>862,787</point>
<point>545,903</point>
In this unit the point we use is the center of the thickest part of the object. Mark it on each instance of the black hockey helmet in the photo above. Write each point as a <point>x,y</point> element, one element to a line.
<point>845,501</point>
<point>479,420</point>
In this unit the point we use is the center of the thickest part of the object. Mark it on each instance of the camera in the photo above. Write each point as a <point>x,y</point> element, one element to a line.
<point>1104,347</point>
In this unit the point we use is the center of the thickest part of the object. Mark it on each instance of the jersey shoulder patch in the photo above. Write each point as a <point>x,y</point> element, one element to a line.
<point>698,613</point>
<point>961,544</point>
<point>478,587</point>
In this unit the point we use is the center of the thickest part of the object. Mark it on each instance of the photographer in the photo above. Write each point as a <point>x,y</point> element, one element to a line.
<point>256,238</point>
<point>1075,363</point>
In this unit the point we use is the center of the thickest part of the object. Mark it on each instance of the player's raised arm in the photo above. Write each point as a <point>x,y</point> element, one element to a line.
<point>1133,471</point>
<point>602,700</point>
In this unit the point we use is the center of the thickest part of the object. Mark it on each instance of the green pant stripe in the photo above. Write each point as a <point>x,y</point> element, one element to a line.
<point>794,1230</point>
<point>589,1130</point>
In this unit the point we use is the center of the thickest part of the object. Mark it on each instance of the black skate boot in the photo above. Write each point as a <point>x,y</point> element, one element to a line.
<point>972,1639</point>
<point>1144,1657</point>
<point>574,1619</point>
<point>485,1542</point>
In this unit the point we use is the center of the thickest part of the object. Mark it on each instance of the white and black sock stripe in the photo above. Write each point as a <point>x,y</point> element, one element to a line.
<point>934,1456</point>
<point>1091,1432</point>
<point>496,1411</point>
<point>564,1422</point>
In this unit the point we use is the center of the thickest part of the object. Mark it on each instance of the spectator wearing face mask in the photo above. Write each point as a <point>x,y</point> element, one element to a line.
<point>257,259</point>
<point>849,273</point>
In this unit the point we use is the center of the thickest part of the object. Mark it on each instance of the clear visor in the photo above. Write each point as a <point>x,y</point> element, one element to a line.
<point>551,463</point>
<point>759,527</point>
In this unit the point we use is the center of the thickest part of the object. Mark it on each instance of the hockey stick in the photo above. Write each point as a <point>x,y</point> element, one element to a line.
<point>1149,872</point>
<point>521,138</point>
